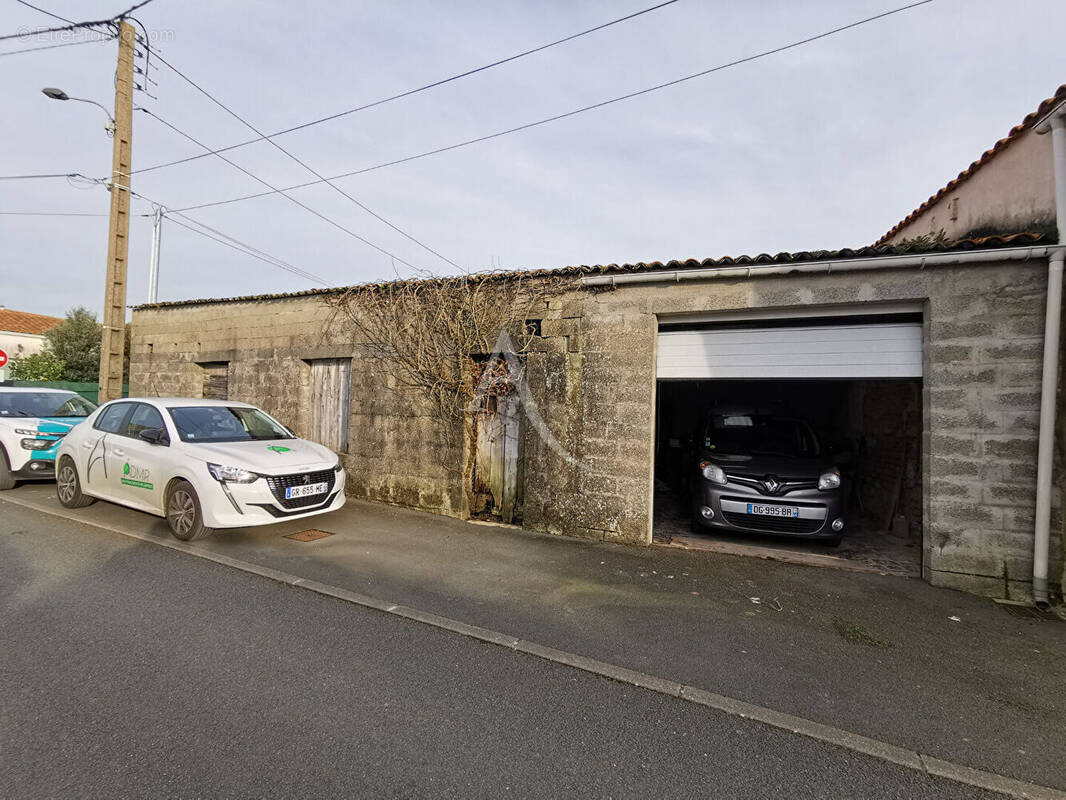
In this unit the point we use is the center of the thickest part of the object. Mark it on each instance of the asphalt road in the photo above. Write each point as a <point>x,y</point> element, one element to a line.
<point>129,671</point>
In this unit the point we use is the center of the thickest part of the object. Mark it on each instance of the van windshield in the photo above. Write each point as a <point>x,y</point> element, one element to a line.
<point>760,435</point>
<point>225,424</point>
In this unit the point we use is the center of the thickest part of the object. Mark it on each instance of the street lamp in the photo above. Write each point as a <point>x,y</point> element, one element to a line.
<point>59,94</point>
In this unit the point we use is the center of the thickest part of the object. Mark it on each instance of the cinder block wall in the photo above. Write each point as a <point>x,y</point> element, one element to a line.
<point>588,436</point>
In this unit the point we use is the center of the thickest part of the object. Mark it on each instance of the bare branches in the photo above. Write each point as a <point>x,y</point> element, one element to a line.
<point>430,335</point>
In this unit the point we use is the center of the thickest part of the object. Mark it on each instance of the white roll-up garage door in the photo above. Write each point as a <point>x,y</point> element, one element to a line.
<point>867,350</point>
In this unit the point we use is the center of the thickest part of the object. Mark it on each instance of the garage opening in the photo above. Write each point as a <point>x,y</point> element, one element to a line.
<point>755,416</point>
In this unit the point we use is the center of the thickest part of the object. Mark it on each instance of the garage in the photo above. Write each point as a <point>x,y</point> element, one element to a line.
<point>779,402</point>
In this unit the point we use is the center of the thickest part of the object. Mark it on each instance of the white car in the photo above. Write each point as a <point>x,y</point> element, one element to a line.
<point>202,464</point>
<point>32,423</point>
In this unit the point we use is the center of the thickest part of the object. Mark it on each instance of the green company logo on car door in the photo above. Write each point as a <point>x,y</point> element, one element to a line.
<point>136,476</point>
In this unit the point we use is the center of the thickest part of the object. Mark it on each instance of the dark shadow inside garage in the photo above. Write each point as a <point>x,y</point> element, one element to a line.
<point>871,428</point>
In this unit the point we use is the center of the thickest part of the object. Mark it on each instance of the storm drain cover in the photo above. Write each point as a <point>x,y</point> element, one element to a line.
<point>309,535</point>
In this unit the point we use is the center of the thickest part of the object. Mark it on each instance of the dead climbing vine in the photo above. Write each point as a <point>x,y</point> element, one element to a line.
<point>436,337</point>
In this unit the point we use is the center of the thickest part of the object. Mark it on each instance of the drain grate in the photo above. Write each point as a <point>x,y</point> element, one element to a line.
<point>308,535</point>
<point>1029,612</point>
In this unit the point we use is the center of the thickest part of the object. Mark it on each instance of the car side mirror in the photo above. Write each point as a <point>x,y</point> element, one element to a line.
<point>155,436</point>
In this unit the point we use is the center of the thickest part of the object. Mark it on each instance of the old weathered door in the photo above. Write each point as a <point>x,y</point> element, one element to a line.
<point>330,396</point>
<point>496,479</point>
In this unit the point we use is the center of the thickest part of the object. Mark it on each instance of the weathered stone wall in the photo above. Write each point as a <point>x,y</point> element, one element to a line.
<point>588,440</point>
<point>397,452</point>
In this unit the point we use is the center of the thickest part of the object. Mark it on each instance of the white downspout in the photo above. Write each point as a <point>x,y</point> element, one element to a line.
<point>1049,381</point>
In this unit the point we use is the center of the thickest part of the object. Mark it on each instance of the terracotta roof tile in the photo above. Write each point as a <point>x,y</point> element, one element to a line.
<point>983,243</point>
<point>25,322</point>
<point>988,155</point>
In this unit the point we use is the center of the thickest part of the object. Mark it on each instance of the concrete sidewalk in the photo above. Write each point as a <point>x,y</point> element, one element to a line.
<point>891,658</point>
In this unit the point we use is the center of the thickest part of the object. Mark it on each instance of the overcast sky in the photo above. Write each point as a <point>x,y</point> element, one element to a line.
<point>822,147</point>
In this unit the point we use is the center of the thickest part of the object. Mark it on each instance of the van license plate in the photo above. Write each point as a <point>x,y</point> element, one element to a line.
<point>292,492</point>
<point>773,511</point>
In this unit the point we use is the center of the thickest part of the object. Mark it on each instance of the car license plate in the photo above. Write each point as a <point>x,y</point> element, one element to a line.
<point>292,492</point>
<point>773,511</point>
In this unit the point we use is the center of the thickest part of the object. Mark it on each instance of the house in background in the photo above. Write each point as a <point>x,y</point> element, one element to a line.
<point>22,334</point>
<point>1009,189</point>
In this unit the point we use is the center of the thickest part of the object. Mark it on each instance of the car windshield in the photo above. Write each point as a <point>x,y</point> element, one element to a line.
<point>44,404</point>
<point>225,424</point>
<point>760,435</point>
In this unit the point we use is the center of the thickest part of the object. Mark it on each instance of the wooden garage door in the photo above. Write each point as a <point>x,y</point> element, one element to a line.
<point>869,350</point>
<point>330,402</point>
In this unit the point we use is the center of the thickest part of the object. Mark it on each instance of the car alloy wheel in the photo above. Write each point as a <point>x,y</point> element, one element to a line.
<point>182,512</point>
<point>67,483</point>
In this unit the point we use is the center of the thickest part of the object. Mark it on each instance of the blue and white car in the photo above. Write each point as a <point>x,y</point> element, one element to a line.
<point>32,424</point>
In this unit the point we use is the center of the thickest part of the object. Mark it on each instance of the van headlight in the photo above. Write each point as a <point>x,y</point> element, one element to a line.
<point>713,472</point>
<point>36,444</point>
<point>829,480</point>
<point>231,474</point>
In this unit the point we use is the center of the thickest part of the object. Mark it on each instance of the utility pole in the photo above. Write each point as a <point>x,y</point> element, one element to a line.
<point>153,265</point>
<point>112,343</point>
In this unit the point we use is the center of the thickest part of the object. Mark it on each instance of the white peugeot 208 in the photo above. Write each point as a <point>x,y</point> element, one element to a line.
<point>202,464</point>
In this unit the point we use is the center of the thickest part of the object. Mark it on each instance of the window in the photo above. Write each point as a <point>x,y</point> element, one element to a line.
<point>143,418</point>
<point>331,380</point>
<point>216,380</point>
<point>110,421</point>
<point>225,424</point>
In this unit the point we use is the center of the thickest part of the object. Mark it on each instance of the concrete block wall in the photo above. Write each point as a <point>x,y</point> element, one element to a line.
<point>397,452</point>
<point>590,412</point>
<point>983,345</point>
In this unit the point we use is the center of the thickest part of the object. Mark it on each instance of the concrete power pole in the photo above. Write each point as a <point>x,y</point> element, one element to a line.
<point>153,264</point>
<point>112,344</point>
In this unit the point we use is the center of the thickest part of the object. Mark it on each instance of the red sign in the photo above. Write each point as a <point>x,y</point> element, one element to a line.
<point>3,358</point>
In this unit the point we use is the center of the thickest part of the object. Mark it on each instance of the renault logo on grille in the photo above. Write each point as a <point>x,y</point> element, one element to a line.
<point>771,483</point>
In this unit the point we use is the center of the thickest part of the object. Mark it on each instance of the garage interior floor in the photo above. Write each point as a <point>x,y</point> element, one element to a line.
<point>864,547</point>
<point>874,427</point>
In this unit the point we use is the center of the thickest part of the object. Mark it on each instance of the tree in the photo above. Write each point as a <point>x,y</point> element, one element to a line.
<point>435,336</point>
<point>76,343</point>
<point>43,366</point>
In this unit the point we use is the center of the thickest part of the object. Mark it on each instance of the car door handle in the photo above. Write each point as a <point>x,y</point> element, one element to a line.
<point>87,445</point>
<point>118,452</point>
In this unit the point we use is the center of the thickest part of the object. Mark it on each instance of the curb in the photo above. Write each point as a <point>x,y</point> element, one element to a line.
<point>801,726</point>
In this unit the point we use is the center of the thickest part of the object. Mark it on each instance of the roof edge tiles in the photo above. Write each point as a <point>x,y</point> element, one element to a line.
<point>1015,132</point>
<point>983,243</point>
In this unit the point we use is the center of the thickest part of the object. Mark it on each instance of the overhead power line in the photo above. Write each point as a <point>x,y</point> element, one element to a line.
<point>575,112</point>
<point>72,26</point>
<point>303,164</point>
<point>53,46</point>
<point>50,214</point>
<point>261,136</point>
<point>41,176</point>
<point>284,194</point>
<point>266,259</point>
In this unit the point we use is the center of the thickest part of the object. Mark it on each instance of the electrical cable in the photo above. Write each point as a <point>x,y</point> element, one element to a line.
<point>299,161</point>
<point>53,46</point>
<point>410,92</point>
<point>284,194</point>
<point>575,112</point>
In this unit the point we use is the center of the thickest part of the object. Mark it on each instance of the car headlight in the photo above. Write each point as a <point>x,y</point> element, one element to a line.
<point>26,431</point>
<point>338,466</point>
<point>713,472</point>
<point>36,444</point>
<point>829,480</point>
<point>231,474</point>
